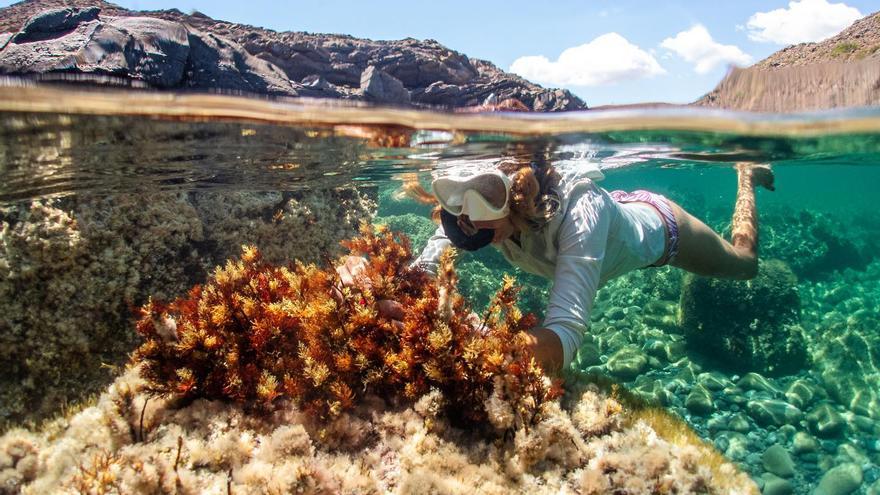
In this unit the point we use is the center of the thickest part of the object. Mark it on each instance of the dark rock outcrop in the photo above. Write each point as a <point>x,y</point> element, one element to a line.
<point>382,87</point>
<point>842,71</point>
<point>171,50</point>
<point>746,325</point>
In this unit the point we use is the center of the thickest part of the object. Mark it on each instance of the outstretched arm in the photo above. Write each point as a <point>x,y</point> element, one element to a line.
<point>581,251</point>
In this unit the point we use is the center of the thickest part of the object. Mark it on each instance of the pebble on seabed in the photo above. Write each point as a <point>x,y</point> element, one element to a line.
<point>841,480</point>
<point>777,461</point>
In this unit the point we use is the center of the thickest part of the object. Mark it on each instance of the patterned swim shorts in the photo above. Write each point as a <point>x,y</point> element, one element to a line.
<point>661,204</point>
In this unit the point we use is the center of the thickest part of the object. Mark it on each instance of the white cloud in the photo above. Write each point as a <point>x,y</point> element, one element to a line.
<point>697,47</point>
<point>607,59</point>
<point>806,20</point>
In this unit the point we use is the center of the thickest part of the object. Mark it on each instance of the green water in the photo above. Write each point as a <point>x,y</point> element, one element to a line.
<point>822,222</point>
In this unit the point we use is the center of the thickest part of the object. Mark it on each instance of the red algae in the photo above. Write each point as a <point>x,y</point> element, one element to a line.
<point>256,334</point>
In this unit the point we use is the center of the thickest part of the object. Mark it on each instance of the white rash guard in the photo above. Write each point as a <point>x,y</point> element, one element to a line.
<point>590,241</point>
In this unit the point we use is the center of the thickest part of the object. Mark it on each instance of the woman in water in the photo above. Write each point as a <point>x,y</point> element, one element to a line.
<point>572,231</point>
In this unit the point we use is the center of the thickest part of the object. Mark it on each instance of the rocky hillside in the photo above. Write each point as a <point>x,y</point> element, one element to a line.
<point>842,71</point>
<point>859,41</point>
<point>168,49</point>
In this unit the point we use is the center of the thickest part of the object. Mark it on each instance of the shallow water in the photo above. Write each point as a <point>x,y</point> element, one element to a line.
<point>134,194</point>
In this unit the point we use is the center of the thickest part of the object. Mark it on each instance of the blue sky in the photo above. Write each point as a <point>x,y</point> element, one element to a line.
<point>630,51</point>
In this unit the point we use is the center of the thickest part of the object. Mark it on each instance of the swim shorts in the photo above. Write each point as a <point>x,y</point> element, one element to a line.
<point>662,205</point>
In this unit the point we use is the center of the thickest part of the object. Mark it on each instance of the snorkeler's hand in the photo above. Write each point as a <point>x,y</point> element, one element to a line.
<point>392,310</point>
<point>352,274</point>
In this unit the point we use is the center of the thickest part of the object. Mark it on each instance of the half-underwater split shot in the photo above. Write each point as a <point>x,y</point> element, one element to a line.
<point>457,248</point>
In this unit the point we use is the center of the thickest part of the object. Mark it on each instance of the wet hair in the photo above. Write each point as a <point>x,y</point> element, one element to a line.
<point>535,197</point>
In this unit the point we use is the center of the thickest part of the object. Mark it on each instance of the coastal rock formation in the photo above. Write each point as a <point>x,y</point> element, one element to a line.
<point>842,71</point>
<point>171,50</point>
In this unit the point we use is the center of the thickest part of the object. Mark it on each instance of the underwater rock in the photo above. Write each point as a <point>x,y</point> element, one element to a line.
<point>755,381</point>
<point>588,355</point>
<point>847,452</point>
<point>773,412</point>
<point>699,401</point>
<point>774,485</point>
<point>804,443</point>
<point>812,244</point>
<point>841,480</point>
<point>739,423</point>
<point>848,355</point>
<point>777,461</point>
<point>627,363</point>
<point>746,325</point>
<point>72,269</point>
<point>69,274</point>
<point>801,393</point>
<point>824,421</point>
<point>714,381</point>
<point>738,448</point>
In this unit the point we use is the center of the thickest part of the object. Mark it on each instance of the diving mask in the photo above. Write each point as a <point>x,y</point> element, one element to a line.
<point>482,197</point>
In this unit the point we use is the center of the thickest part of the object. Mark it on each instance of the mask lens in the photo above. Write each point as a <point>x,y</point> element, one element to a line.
<point>491,188</point>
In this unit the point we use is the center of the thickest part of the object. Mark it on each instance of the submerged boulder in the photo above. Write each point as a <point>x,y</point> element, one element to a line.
<point>746,325</point>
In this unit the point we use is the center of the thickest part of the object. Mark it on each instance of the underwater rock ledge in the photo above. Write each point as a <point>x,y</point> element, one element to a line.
<point>72,270</point>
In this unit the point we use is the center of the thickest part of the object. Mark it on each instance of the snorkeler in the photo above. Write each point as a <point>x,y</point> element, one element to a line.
<point>577,234</point>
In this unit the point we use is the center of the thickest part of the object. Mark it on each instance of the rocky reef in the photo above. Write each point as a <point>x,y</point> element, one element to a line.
<point>73,269</point>
<point>171,50</point>
<point>402,433</point>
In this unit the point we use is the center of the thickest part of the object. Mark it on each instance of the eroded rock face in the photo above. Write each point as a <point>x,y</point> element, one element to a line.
<point>171,50</point>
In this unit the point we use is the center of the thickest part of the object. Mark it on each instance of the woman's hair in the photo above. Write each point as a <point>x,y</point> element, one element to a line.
<point>534,193</point>
<point>535,197</point>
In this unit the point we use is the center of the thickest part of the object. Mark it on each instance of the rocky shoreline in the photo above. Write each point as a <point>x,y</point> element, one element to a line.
<point>169,50</point>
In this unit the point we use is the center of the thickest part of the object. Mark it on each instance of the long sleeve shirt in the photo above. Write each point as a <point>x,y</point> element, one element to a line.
<point>591,240</point>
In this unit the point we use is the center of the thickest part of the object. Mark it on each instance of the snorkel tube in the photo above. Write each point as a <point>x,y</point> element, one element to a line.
<point>459,239</point>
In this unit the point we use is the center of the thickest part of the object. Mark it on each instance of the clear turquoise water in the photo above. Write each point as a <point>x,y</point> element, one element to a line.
<point>822,221</point>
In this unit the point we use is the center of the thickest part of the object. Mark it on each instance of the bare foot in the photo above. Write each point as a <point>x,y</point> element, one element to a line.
<point>759,175</point>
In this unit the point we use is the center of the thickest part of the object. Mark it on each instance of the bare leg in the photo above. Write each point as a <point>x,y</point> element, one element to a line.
<point>704,252</point>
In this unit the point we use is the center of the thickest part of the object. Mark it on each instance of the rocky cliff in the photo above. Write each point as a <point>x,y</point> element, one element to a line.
<point>168,49</point>
<point>842,71</point>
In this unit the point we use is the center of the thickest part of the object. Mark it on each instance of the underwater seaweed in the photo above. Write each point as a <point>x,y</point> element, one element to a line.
<point>257,334</point>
